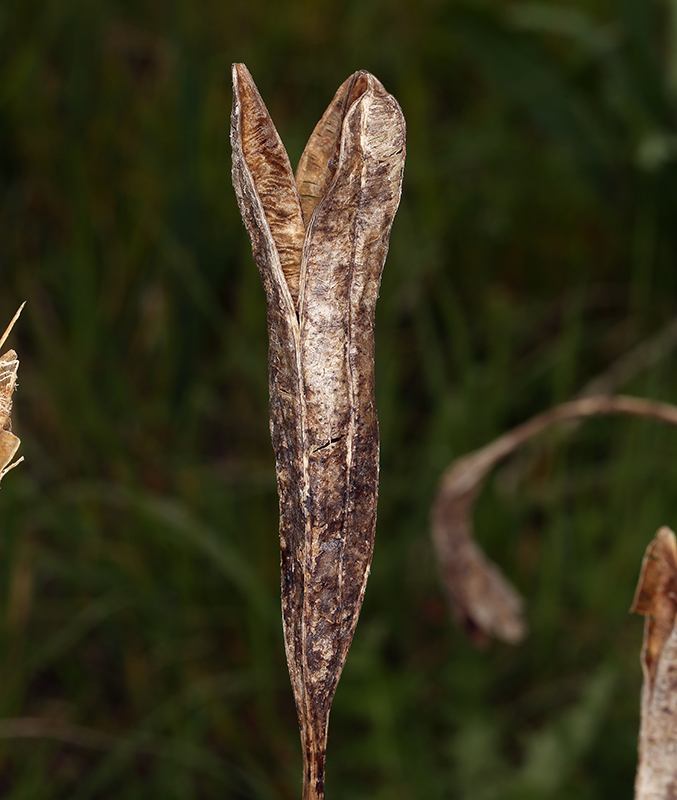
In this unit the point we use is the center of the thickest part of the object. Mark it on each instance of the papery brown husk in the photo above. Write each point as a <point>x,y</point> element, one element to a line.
<point>321,364</point>
<point>9,368</point>
<point>656,599</point>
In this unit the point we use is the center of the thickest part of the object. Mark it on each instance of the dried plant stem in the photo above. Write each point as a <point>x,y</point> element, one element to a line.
<point>482,600</point>
<point>56,730</point>
<point>625,368</point>
<point>314,762</point>
<point>635,361</point>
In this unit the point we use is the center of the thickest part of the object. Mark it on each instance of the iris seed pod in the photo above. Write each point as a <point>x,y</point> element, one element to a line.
<point>320,240</point>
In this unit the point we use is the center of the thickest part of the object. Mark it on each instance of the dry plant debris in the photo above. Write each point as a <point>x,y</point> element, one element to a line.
<point>481,599</point>
<point>320,240</point>
<point>656,599</point>
<point>640,358</point>
<point>9,368</point>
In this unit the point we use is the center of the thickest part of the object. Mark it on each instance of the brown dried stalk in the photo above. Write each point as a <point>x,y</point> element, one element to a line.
<point>656,599</point>
<point>9,367</point>
<point>320,241</point>
<point>482,600</point>
<point>640,358</point>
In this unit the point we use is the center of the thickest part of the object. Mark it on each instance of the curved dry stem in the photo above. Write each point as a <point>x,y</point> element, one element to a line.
<point>482,600</point>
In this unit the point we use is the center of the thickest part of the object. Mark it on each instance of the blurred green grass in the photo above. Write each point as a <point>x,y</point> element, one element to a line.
<point>139,562</point>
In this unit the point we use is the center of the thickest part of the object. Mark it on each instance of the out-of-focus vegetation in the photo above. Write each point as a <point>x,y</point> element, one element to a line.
<point>140,634</point>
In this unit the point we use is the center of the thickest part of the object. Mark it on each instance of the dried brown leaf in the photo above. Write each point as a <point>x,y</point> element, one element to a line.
<point>656,599</point>
<point>321,370</point>
<point>9,367</point>
<point>656,596</point>
<point>481,599</point>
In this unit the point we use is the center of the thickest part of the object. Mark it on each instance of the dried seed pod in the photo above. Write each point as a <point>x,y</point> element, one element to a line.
<point>321,363</point>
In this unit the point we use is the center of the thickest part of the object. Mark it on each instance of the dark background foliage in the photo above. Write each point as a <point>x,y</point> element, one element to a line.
<point>141,649</point>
